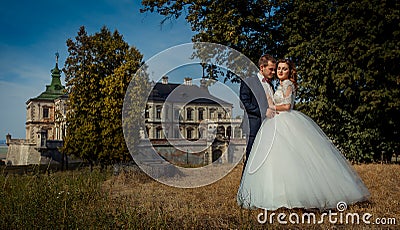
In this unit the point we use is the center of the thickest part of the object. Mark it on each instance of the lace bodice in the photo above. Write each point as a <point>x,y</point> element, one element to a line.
<point>285,94</point>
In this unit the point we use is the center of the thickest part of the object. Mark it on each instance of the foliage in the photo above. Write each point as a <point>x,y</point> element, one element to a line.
<point>251,27</point>
<point>98,71</point>
<point>133,108</point>
<point>347,53</point>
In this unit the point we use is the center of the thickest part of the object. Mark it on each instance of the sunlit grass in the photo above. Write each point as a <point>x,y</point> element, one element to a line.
<point>81,199</point>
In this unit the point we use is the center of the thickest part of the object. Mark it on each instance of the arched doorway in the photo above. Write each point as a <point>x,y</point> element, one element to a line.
<point>229,132</point>
<point>216,155</point>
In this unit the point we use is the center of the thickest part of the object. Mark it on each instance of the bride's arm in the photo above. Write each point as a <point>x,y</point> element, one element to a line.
<point>284,107</point>
<point>287,99</point>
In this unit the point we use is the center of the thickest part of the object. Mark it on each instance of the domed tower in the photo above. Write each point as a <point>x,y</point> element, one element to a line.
<point>40,116</point>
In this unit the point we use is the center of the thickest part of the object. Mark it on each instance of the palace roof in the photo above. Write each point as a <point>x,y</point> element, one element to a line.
<point>184,93</point>
<point>55,89</point>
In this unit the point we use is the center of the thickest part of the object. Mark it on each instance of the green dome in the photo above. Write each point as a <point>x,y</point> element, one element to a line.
<point>55,89</point>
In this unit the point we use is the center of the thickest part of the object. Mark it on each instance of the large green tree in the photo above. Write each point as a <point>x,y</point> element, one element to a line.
<point>251,27</point>
<point>347,53</point>
<point>98,71</point>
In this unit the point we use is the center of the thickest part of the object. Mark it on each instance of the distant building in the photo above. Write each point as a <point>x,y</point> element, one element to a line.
<point>45,126</point>
<point>176,113</point>
<point>45,110</point>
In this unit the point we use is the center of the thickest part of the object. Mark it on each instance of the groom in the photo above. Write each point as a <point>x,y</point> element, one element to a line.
<point>253,95</point>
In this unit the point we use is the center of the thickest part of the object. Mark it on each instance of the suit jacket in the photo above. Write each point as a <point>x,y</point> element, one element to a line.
<point>254,102</point>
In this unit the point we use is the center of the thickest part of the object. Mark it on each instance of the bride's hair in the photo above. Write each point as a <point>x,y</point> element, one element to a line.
<point>292,69</point>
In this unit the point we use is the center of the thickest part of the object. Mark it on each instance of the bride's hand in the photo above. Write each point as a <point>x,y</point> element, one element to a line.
<point>271,112</point>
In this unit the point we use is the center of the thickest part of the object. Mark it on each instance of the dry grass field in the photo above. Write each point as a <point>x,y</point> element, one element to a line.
<point>214,206</point>
<point>40,198</point>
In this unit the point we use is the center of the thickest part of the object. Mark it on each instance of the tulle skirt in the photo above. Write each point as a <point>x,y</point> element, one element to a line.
<point>293,164</point>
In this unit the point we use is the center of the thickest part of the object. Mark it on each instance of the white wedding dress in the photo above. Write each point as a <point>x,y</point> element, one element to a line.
<point>293,164</point>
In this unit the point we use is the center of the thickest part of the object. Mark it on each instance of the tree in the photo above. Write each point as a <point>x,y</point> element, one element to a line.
<point>346,52</point>
<point>98,71</point>
<point>251,27</point>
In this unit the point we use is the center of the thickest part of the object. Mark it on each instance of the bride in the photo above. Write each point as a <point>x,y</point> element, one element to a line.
<point>292,163</point>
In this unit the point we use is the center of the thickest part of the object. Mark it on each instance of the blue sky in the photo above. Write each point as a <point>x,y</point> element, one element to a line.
<point>33,31</point>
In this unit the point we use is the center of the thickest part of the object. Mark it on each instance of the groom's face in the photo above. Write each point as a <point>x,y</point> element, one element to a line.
<point>268,71</point>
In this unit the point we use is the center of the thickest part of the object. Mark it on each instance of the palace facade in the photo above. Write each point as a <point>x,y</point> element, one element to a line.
<point>174,113</point>
<point>177,113</point>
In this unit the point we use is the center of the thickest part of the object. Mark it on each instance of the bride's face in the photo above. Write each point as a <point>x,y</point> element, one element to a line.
<point>283,71</point>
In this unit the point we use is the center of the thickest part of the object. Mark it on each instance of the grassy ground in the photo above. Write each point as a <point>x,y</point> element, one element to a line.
<point>131,200</point>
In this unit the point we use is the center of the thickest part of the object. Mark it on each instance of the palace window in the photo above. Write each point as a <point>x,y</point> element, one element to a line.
<point>229,132</point>
<point>158,132</point>
<point>201,114</point>
<point>45,112</point>
<point>158,112</point>
<point>189,132</point>
<point>221,130</point>
<point>189,113</point>
<point>146,112</point>
<point>212,110</point>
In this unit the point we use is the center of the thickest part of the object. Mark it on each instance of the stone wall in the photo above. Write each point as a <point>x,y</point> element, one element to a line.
<point>200,152</point>
<point>20,153</point>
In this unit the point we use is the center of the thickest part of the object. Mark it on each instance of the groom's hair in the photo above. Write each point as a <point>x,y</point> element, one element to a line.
<point>264,59</point>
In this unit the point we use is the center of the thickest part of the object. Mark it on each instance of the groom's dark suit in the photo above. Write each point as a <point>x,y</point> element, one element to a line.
<point>255,103</point>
